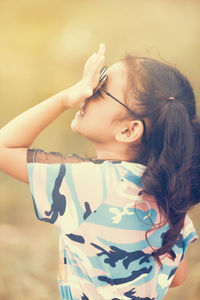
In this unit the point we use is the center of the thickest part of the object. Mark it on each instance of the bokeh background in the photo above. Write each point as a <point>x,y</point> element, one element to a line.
<point>43,46</point>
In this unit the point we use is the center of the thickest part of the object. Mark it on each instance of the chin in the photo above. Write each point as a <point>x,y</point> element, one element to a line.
<point>79,127</point>
<point>74,126</point>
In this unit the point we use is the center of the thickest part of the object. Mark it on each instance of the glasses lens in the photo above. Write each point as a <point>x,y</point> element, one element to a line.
<point>102,72</point>
<point>101,83</point>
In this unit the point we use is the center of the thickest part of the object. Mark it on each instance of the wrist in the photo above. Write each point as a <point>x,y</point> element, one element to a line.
<point>74,96</point>
<point>62,98</point>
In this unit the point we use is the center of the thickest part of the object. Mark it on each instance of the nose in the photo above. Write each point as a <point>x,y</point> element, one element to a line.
<point>87,100</point>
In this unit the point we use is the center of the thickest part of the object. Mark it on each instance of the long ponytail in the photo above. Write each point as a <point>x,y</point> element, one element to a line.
<point>168,169</point>
<point>172,155</point>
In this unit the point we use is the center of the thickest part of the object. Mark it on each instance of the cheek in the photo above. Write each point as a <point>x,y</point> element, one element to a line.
<point>98,121</point>
<point>95,127</point>
<point>89,123</point>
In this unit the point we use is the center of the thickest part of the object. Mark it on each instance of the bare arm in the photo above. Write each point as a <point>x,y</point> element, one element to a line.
<point>19,134</point>
<point>181,274</point>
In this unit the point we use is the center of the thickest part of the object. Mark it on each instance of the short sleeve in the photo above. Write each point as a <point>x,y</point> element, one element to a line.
<point>46,172</point>
<point>65,190</point>
<point>40,156</point>
<point>189,234</point>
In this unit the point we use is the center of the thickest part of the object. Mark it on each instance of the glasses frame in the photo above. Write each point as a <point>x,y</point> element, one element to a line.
<point>102,79</point>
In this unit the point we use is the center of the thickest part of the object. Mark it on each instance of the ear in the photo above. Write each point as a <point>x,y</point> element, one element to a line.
<point>131,132</point>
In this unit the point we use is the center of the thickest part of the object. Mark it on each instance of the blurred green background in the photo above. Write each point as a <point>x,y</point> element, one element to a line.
<point>43,46</point>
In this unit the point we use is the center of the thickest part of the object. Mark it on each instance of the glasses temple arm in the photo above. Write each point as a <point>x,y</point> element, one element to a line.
<point>144,140</point>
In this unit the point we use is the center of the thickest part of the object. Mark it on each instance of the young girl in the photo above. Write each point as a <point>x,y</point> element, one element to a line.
<point>122,218</point>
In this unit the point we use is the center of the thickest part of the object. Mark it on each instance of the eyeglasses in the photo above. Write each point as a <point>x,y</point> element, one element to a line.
<point>102,79</point>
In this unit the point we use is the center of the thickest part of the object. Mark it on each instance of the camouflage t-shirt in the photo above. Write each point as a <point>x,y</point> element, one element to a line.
<point>102,218</point>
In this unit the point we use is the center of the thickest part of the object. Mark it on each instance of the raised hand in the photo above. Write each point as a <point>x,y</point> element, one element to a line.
<point>19,134</point>
<point>76,95</point>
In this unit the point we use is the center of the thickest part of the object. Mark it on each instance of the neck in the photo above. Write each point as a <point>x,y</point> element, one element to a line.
<point>105,154</point>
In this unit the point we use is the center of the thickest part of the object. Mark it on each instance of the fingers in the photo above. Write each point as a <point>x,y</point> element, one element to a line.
<point>100,54</point>
<point>98,58</point>
<point>90,60</point>
<point>99,63</point>
<point>92,70</point>
<point>102,49</point>
<point>94,58</point>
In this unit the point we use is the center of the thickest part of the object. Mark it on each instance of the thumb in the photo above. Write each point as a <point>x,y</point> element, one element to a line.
<point>88,92</point>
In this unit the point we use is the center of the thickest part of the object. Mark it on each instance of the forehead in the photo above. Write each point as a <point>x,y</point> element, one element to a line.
<point>116,82</point>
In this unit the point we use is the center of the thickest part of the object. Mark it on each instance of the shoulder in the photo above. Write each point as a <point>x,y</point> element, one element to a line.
<point>41,156</point>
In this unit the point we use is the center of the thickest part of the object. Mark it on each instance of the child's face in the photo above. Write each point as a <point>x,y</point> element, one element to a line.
<point>99,119</point>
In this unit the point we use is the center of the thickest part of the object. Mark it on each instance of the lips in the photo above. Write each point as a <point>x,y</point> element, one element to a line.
<point>82,109</point>
<point>82,113</point>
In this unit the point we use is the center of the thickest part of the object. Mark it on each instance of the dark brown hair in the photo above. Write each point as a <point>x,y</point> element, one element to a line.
<point>172,152</point>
